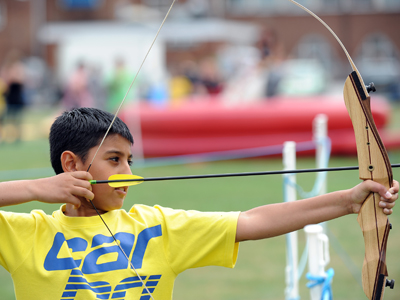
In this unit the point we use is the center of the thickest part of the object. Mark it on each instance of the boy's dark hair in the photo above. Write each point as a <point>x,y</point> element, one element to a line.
<point>81,129</point>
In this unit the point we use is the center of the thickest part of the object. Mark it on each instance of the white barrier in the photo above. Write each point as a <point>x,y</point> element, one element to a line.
<point>318,256</point>
<point>290,194</point>
<point>291,271</point>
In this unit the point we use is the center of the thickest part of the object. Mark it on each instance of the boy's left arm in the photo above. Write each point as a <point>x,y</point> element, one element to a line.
<point>280,218</point>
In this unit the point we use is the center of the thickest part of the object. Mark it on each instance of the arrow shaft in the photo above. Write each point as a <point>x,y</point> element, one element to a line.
<point>243,174</point>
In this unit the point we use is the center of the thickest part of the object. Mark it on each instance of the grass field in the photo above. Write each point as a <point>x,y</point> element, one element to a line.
<point>259,273</point>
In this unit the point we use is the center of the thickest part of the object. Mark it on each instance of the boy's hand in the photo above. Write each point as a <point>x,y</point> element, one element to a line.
<point>360,192</point>
<point>66,187</point>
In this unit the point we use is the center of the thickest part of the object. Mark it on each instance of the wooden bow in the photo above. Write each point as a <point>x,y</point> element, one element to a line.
<point>373,165</point>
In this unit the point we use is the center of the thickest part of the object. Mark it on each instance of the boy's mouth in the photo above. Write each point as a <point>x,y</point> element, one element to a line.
<point>122,189</point>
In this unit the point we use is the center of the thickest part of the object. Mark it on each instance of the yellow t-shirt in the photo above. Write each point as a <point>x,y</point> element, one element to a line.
<point>75,258</point>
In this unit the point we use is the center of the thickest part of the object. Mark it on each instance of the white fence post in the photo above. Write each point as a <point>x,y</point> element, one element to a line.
<point>292,284</point>
<point>320,133</point>
<point>320,136</point>
<point>318,256</point>
<point>318,244</point>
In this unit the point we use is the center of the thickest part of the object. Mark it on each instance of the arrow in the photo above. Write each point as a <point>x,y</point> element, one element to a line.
<point>120,180</point>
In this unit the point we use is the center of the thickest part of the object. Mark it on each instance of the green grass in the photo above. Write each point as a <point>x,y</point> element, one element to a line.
<point>259,273</point>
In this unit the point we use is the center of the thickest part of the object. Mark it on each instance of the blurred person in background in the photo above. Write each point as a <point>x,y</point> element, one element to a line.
<point>13,74</point>
<point>97,87</point>
<point>76,93</point>
<point>210,76</point>
<point>180,87</point>
<point>186,81</point>
<point>192,73</point>
<point>245,72</point>
<point>118,83</point>
<point>273,55</point>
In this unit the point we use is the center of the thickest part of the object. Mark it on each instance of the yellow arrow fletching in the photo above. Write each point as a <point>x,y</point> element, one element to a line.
<point>123,180</point>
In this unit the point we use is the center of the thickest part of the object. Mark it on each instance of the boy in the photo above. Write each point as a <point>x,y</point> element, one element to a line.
<point>72,255</point>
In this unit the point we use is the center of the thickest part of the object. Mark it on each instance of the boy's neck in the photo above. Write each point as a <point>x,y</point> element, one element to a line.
<point>85,210</point>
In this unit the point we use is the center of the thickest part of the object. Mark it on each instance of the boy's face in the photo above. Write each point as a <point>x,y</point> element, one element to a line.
<point>114,157</point>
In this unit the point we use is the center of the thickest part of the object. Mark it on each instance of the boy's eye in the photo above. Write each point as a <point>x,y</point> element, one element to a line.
<point>116,159</point>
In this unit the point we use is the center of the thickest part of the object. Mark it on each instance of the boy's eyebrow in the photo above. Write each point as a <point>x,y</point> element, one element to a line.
<point>117,152</point>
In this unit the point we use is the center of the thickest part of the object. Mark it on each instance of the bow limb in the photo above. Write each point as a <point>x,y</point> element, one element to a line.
<point>373,165</point>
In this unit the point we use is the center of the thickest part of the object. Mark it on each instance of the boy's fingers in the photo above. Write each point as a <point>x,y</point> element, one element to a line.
<point>395,190</point>
<point>393,198</point>
<point>395,187</point>
<point>82,175</point>
<point>388,205</point>
<point>84,184</point>
<point>387,211</point>
<point>387,201</point>
<point>74,201</point>
<point>387,195</point>
<point>375,187</point>
<point>83,192</point>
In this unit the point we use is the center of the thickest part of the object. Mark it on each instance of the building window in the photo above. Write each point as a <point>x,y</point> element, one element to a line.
<point>378,61</point>
<point>378,46</point>
<point>314,46</point>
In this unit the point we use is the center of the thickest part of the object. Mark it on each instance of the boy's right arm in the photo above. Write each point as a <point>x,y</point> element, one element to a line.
<point>63,188</point>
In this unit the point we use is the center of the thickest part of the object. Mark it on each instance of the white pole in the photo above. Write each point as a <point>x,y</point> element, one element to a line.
<point>320,133</point>
<point>318,256</point>
<point>292,284</point>
<point>320,136</point>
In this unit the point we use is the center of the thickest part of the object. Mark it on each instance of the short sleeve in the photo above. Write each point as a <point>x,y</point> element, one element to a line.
<point>195,239</point>
<point>17,234</point>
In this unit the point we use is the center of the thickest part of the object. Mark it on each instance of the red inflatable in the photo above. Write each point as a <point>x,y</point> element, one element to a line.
<point>208,126</point>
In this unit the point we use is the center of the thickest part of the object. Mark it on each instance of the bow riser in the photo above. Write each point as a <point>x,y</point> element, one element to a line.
<point>373,165</point>
<point>373,160</point>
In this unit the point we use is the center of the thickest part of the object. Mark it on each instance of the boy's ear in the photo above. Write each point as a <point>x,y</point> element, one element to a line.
<point>69,161</point>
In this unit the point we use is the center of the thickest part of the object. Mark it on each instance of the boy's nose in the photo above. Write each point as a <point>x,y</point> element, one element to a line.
<point>126,169</point>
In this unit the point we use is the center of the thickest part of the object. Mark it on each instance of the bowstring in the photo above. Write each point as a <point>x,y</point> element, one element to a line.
<point>122,250</point>
<point>105,135</point>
